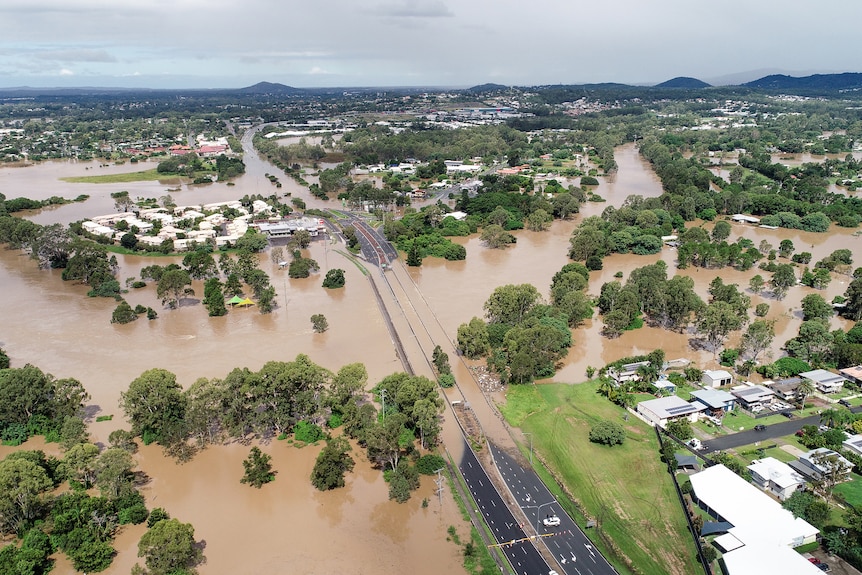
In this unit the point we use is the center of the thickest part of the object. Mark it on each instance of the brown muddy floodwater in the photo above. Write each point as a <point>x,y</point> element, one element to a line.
<point>288,526</point>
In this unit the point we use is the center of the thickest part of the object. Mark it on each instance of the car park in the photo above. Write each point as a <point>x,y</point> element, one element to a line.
<point>759,427</point>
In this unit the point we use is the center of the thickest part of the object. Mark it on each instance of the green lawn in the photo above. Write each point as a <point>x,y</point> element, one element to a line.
<point>625,488</point>
<point>144,176</point>
<point>851,491</point>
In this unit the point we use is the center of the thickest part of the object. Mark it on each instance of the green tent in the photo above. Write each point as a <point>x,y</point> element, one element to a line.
<point>235,300</point>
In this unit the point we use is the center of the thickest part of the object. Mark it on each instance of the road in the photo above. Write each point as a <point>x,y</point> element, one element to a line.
<point>771,432</point>
<point>523,556</point>
<point>569,545</point>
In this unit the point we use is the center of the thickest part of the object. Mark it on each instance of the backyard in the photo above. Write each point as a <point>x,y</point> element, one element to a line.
<point>642,519</point>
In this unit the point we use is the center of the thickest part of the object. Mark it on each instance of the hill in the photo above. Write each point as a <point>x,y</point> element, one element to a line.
<point>484,88</point>
<point>683,82</point>
<point>815,82</point>
<point>270,88</point>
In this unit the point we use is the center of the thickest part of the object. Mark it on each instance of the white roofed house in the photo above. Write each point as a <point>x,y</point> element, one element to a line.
<point>716,378</point>
<point>660,411</point>
<point>627,372</point>
<point>776,477</point>
<point>751,395</point>
<point>761,535</point>
<point>825,381</point>
<point>823,464</point>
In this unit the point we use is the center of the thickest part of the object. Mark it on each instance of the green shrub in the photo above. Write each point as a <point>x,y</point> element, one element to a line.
<point>308,432</point>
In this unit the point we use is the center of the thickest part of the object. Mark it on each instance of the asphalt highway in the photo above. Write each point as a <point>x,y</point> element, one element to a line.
<point>570,546</point>
<point>514,541</point>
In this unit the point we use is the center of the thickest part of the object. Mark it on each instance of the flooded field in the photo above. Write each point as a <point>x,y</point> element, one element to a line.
<point>288,525</point>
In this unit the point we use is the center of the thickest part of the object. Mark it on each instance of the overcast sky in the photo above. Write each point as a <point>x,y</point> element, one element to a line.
<point>318,43</point>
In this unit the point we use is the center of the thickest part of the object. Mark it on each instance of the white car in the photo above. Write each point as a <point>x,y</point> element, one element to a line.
<point>757,408</point>
<point>551,521</point>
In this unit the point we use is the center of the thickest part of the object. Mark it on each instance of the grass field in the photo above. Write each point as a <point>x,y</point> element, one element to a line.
<point>625,488</point>
<point>851,491</point>
<point>144,176</point>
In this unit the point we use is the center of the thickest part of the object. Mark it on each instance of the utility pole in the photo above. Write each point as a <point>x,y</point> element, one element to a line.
<point>440,488</point>
<point>383,398</point>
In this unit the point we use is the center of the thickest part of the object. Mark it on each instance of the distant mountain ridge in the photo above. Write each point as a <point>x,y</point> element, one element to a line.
<point>270,88</point>
<point>683,82</point>
<point>828,82</point>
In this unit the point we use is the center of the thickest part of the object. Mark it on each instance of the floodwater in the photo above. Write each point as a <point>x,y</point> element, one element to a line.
<point>288,525</point>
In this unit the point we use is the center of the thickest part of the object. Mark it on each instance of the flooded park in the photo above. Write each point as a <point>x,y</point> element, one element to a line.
<point>52,324</point>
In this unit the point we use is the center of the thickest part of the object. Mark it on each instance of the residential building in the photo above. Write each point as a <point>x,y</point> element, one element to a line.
<point>825,381</point>
<point>716,378</point>
<point>743,219</point>
<point>785,388</point>
<point>750,396</point>
<point>716,401</point>
<point>660,411</point>
<point>627,372</point>
<point>761,534</point>
<point>853,374</point>
<point>821,462</point>
<point>776,477</point>
<point>854,444</point>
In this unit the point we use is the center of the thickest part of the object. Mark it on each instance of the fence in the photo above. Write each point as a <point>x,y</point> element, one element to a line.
<point>695,535</point>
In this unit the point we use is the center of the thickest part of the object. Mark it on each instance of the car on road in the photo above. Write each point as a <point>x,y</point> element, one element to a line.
<point>551,521</point>
<point>759,427</point>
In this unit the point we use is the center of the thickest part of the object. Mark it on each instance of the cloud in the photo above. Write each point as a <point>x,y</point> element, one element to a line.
<point>415,9</point>
<point>66,72</point>
<point>317,71</point>
<point>75,55</point>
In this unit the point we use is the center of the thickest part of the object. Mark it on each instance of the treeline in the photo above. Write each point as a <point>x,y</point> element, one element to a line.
<point>297,397</point>
<point>523,337</point>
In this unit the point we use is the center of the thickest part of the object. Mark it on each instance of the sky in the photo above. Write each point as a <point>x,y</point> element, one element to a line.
<point>446,43</point>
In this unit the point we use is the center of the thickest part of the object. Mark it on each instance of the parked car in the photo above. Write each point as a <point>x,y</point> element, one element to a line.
<point>844,402</point>
<point>788,414</point>
<point>799,433</point>
<point>757,408</point>
<point>824,567</point>
<point>694,443</point>
<point>759,427</point>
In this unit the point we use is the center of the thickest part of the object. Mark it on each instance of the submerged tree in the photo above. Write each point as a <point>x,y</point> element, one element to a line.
<point>258,469</point>
<point>331,465</point>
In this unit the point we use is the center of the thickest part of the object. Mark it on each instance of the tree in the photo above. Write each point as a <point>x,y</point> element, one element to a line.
<point>680,428</point>
<point>200,264</point>
<point>756,284</point>
<point>113,472</point>
<point>169,548</point>
<point>473,339</point>
<point>782,280</point>
<point>815,307</point>
<point>129,241</point>
<point>172,286</point>
<point>715,323</point>
<point>214,298</point>
<point>232,285</point>
<point>804,389</point>
<point>539,221</point>
<point>607,433</point>
<point>853,300</point>
<point>510,304</point>
<point>22,484</point>
<point>785,248</point>
<point>258,469</point>
<point>813,342</point>
<point>385,440</point>
<point>334,279</point>
<point>721,231</point>
<point>123,313</point>
<point>73,431</point>
<point>758,337</point>
<point>155,406</point>
<point>331,465</point>
<point>495,237</point>
<point>4,359</point>
<point>414,256</point>
<point>319,323</point>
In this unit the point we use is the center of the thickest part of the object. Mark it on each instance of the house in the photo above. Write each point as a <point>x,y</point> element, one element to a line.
<point>750,396</point>
<point>664,387</point>
<point>776,477</point>
<point>627,372</point>
<point>854,444</point>
<point>762,534</point>
<point>824,381</point>
<point>660,411</point>
<point>716,378</point>
<point>785,388</point>
<point>820,462</point>
<point>716,401</point>
<point>743,219</point>
<point>853,374</point>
